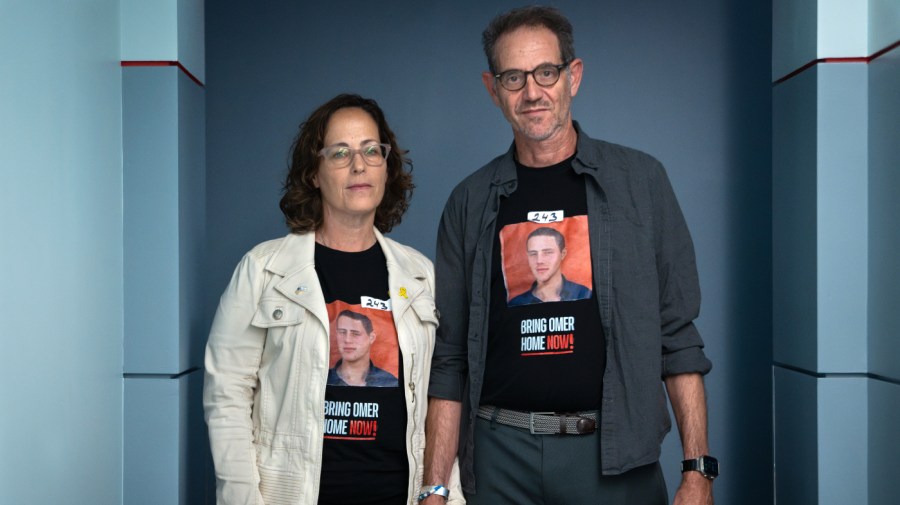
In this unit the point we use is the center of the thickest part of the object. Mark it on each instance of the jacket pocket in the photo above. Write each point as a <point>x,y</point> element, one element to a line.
<point>272,312</point>
<point>283,321</point>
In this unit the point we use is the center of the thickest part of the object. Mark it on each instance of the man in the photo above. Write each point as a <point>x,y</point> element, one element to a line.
<point>355,336</point>
<point>564,427</point>
<point>546,249</point>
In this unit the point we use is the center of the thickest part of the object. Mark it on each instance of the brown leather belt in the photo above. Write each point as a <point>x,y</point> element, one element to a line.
<point>543,423</point>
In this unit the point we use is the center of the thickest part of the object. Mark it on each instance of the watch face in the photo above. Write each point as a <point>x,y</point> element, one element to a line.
<point>709,466</point>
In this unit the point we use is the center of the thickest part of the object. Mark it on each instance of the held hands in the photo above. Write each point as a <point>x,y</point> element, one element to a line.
<point>695,489</point>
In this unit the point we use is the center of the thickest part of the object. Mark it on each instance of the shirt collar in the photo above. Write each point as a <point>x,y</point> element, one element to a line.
<point>587,160</point>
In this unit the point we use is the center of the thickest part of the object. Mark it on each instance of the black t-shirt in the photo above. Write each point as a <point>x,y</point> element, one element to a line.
<point>546,349</point>
<point>364,453</point>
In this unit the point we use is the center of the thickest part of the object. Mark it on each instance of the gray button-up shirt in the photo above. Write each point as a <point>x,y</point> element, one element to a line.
<point>647,291</point>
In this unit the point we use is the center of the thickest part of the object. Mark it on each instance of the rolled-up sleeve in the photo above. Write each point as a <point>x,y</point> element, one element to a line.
<point>679,286</point>
<point>232,360</point>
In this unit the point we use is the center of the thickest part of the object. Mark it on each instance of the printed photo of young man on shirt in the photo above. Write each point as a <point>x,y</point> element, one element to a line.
<point>546,249</point>
<point>354,335</point>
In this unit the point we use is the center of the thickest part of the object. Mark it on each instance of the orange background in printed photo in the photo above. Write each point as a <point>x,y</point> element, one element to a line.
<point>576,266</point>
<point>384,351</point>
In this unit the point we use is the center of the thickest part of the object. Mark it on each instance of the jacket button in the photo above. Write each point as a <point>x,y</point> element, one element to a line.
<point>278,314</point>
<point>412,386</point>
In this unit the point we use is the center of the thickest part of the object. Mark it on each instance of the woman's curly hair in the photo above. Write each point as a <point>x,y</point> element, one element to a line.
<point>302,200</point>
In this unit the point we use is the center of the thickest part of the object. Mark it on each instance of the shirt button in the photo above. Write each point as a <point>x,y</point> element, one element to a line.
<point>278,314</point>
<point>412,386</point>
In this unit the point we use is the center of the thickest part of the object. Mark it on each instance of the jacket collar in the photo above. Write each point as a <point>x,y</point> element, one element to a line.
<point>406,278</point>
<point>294,261</point>
<point>296,253</point>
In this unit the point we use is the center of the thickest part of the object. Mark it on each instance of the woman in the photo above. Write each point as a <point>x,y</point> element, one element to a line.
<point>318,359</point>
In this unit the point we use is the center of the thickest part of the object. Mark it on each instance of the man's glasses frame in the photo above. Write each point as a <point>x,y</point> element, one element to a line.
<point>545,75</point>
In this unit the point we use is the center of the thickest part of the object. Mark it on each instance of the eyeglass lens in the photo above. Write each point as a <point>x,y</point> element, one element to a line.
<point>544,75</point>
<point>341,156</point>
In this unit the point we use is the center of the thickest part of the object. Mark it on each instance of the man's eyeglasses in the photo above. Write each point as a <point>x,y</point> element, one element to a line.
<point>544,75</point>
<point>341,156</point>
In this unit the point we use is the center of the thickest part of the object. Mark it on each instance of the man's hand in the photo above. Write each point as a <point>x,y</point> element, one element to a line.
<point>695,489</point>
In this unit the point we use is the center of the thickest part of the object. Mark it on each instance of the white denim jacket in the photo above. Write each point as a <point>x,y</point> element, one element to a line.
<point>267,362</point>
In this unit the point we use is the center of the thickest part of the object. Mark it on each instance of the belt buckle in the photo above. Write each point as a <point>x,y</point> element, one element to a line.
<point>531,423</point>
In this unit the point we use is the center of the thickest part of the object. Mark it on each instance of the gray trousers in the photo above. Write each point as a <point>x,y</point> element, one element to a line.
<point>512,466</point>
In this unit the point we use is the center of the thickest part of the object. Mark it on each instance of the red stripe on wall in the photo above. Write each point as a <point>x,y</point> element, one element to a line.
<point>858,59</point>
<point>886,50</point>
<point>163,64</point>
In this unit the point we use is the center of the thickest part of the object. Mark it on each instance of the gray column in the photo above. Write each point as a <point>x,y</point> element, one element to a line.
<point>835,74</point>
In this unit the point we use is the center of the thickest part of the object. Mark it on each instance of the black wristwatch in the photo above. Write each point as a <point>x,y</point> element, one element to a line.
<point>708,466</point>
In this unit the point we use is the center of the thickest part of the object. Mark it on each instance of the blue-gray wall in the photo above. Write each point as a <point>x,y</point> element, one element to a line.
<point>686,81</point>
<point>102,192</point>
<point>61,308</point>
